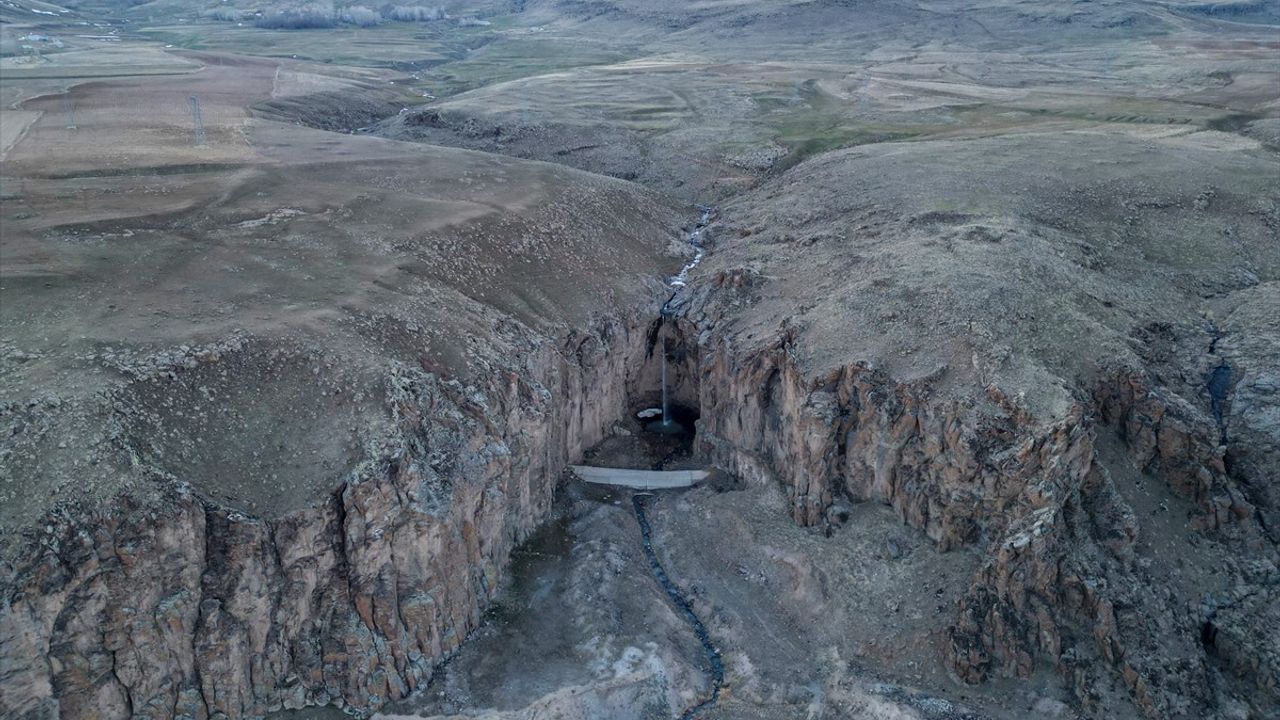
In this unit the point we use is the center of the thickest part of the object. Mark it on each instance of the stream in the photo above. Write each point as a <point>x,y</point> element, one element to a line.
<point>716,670</point>
<point>694,238</point>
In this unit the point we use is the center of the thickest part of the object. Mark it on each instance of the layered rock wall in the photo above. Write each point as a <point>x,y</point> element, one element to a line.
<point>1062,578</point>
<point>184,609</point>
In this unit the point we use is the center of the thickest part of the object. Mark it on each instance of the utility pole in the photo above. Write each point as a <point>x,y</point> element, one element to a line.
<point>71,111</point>
<point>198,122</point>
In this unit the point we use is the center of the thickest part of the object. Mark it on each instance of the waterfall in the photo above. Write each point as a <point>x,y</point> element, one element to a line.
<point>666,415</point>
<point>694,238</point>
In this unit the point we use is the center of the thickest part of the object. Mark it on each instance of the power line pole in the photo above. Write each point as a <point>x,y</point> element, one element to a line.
<point>196,119</point>
<point>71,111</point>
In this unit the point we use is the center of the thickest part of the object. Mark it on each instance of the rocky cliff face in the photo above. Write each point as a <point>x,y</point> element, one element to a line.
<point>1066,582</point>
<point>182,608</point>
<point>269,433</point>
<point>1008,376</point>
<point>1014,360</point>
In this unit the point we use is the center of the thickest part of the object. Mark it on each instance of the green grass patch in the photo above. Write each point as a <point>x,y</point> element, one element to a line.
<point>402,46</point>
<point>806,145</point>
<point>506,59</point>
<point>810,131</point>
<point>1133,111</point>
<point>810,122</point>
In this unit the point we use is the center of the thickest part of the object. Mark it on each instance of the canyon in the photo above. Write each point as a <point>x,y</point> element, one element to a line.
<point>979,339</point>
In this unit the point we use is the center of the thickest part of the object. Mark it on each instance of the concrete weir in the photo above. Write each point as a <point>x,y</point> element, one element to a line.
<point>639,479</point>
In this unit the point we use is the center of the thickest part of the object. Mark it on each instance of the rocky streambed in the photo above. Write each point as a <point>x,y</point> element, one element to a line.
<point>715,667</point>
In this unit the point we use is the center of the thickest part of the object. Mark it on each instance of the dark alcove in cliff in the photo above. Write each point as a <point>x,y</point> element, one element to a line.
<point>643,440</point>
<point>670,343</point>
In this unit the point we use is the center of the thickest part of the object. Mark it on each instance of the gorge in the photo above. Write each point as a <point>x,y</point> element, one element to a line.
<point>971,313</point>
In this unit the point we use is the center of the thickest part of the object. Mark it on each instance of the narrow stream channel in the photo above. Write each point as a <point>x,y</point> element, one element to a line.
<point>716,669</point>
<point>694,238</point>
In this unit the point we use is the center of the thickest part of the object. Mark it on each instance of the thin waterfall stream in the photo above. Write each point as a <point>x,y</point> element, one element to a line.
<point>666,409</point>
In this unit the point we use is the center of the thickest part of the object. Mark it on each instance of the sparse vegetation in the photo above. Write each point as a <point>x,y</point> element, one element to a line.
<point>297,18</point>
<point>413,13</point>
<point>327,15</point>
<point>225,14</point>
<point>360,16</point>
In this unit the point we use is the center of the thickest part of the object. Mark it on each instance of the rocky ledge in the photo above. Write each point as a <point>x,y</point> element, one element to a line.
<point>1013,372</point>
<point>180,607</point>
<point>273,449</point>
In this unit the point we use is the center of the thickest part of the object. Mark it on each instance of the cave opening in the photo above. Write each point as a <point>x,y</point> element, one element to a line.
<point>664,392</point>
<point>659,425</point>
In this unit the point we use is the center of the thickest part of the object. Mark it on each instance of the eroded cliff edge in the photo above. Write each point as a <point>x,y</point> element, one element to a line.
<point>1073,370</point>
<point>1068,369</point>
<point>299,485</point>
<point>181,607</point>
